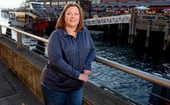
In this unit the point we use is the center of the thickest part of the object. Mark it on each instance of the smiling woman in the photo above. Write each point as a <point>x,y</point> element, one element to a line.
<point>10,3</point>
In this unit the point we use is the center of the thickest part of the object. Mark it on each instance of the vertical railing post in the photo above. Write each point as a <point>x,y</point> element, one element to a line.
<point>0,31</point>
<point>19,40</point>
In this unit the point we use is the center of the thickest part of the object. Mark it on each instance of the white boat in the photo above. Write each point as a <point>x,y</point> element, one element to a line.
<point>32,15</point>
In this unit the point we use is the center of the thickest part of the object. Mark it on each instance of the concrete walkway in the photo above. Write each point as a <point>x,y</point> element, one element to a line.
<point>13,91</point>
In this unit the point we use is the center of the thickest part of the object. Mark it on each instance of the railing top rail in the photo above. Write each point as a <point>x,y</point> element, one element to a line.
<point>152,17</point>
<point>27,34</point>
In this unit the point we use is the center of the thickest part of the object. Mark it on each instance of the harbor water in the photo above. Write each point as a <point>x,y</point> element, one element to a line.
<point>119,83</point>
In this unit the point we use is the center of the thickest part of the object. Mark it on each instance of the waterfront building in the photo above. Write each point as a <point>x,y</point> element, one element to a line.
<point>154,4</point>
<point>126,6</point>
<point>59,4</point>
<point>110,6</point>
<point>119,3</point>
<point>87,4</point>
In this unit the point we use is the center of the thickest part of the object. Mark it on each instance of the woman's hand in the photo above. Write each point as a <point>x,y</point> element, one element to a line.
<point>83,77</point>
<point>87,72</point>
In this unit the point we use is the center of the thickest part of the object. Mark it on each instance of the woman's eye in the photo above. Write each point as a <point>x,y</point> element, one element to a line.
<point>68,13</point>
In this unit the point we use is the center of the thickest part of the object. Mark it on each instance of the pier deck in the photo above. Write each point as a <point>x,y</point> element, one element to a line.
<point>13,91</point>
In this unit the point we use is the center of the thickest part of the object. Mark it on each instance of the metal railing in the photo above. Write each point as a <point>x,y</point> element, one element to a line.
<point>153,17</point>
<point>125,69</point>
<point>108,20</point>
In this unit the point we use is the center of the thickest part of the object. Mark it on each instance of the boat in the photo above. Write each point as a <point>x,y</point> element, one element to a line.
<point>32,15</point>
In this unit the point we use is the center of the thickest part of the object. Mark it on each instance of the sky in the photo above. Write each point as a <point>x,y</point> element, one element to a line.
<point>10,3</point>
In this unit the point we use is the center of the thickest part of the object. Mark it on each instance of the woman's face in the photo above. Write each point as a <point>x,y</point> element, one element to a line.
<point>72,17</point>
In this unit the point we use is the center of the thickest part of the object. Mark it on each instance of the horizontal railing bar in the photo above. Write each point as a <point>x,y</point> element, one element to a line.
<point>27,34</point>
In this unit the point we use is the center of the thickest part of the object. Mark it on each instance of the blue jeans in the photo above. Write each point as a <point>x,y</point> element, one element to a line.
<point>53,97</point>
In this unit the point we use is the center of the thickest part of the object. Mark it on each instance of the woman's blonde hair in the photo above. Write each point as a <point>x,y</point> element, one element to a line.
<point>61,20</point>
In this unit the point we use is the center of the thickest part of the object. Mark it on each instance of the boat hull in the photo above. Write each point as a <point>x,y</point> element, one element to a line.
<point>38,26</point>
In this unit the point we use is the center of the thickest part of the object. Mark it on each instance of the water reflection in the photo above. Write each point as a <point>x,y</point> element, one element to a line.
<point>126,55</point>
<point>132,88</point>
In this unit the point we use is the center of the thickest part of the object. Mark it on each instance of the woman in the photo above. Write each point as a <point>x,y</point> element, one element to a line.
<point>70,52</point>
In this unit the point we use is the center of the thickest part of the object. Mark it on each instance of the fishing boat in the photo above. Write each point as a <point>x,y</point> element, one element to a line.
<point>32,15</point>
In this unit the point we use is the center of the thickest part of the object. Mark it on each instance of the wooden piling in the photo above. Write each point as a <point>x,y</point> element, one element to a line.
<point>148,33</point>
<point>132,27</point>
<point>0,31</point>
<point>166,39</point>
